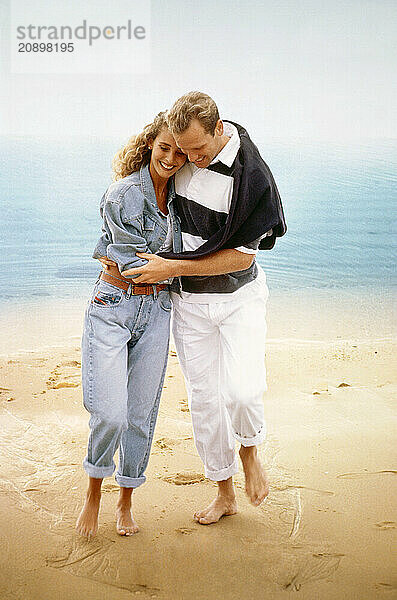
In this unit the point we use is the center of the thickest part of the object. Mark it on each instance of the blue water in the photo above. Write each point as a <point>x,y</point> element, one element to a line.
<point>340,206</point>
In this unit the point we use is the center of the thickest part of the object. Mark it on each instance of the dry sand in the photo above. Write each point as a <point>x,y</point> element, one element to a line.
<point>326,530</point>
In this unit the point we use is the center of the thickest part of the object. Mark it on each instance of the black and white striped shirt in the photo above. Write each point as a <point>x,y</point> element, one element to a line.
<point>203,198</point>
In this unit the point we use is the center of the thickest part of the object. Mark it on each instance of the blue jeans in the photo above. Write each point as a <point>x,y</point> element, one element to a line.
<point>124,357</point>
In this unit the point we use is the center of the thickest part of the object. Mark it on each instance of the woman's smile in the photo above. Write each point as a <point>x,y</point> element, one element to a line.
<point>167,167</point>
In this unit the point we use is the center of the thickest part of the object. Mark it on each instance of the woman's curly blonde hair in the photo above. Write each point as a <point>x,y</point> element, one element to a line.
<point>136,152</point>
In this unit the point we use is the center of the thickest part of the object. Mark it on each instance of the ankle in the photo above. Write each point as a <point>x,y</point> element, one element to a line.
<point>124,502</point>
<point>123,505</point>
<point>247,452</point>
<point>93,496</point>
<point>227,494</point>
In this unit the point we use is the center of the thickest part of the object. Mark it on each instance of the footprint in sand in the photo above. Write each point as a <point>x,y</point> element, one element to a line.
<point>110,487</point>
<point>65,375</point>
<point>184,478</point>
<point>185,530</point>
<point>184,405</point>
<point>326,391</point>
<point>63,384</point>
<point>386,525</point>
<point>165,445</point>
<point>321,392</point>
<point>386,587</point>
<point>71,363</point>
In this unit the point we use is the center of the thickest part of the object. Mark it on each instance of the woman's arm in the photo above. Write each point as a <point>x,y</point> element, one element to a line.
<point>125,235</point>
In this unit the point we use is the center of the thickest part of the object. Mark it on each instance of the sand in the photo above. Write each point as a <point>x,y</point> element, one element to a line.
<point>325,532</point>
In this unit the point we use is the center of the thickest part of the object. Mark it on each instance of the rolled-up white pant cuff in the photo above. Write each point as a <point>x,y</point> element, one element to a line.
<point>259,438</point>
<point>222,474</point>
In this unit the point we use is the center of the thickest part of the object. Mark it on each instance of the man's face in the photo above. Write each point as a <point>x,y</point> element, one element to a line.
<point>200,146</point>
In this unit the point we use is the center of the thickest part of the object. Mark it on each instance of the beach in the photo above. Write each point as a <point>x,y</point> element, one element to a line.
<point>329,523</point>
<point>312,84</point>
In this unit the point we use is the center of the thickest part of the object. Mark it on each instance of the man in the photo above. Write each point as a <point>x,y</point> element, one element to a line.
<point>226,207</point>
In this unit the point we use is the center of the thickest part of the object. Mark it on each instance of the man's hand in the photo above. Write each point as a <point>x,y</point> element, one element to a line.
<point>106,262</point>
<point>156,269</point>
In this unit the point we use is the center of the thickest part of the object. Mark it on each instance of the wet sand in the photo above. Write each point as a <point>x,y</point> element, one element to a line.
<point>328,526</point>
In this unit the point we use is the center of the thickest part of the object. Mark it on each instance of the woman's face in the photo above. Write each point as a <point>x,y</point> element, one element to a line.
<point>166,157</point>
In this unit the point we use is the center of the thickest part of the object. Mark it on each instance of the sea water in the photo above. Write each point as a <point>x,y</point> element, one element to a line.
<point>339,202</point>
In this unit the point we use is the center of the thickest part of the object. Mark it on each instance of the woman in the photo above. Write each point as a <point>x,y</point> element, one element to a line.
<point>126,327</point>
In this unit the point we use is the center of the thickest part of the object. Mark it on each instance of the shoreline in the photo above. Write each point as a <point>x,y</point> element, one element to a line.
<point>309,315</point>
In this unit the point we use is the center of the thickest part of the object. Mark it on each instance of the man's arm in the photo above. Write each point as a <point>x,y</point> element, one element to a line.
<point>218,263</point>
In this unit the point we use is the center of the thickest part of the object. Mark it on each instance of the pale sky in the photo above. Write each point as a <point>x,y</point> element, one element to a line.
<point>318,69</point>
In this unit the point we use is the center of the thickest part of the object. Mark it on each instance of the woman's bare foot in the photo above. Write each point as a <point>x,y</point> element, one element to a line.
<point>125,524</point>
<point>224,504</point>
<point>256,481</point>
<point>87,523</point>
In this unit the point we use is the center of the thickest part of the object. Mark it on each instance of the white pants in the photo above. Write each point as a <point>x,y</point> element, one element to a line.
<point>221,350</point>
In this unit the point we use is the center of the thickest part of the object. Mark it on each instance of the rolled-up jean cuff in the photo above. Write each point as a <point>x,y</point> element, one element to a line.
<point>98,472</point>
<point>129,482</point>
<point>259,438</point>
<point>222,474</point>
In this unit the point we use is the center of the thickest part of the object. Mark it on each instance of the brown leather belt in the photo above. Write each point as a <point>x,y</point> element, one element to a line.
<point>112,275</point>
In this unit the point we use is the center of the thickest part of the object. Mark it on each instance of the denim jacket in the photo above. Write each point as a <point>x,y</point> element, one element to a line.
<point>132,221</point>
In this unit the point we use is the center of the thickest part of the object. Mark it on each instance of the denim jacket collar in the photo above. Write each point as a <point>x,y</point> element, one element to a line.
<point>171,191</point>
<point>148,188</point>
<point>147,185</point>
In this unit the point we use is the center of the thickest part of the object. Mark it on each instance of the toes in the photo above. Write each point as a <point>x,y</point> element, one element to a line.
<point>205,520</point>
<point>257,500</point>
<point>88,533</point>
<point>202,519</point>
<point>127,531</point>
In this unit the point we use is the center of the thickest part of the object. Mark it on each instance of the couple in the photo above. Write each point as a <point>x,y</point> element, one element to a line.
<point>192,203</point>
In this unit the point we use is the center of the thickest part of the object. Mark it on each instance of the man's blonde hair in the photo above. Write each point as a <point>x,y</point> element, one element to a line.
<point>193,105</point>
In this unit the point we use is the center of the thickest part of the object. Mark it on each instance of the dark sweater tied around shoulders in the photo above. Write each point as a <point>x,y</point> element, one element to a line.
<point>255,206</point>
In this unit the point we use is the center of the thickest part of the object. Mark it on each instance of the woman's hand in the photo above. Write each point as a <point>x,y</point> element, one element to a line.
<point>106,262</point>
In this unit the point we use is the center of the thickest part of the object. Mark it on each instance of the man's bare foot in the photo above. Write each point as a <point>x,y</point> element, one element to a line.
<point>256,481</point>
<point>125,524</point>
<point>87,523</point>
<point>222,506</point>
